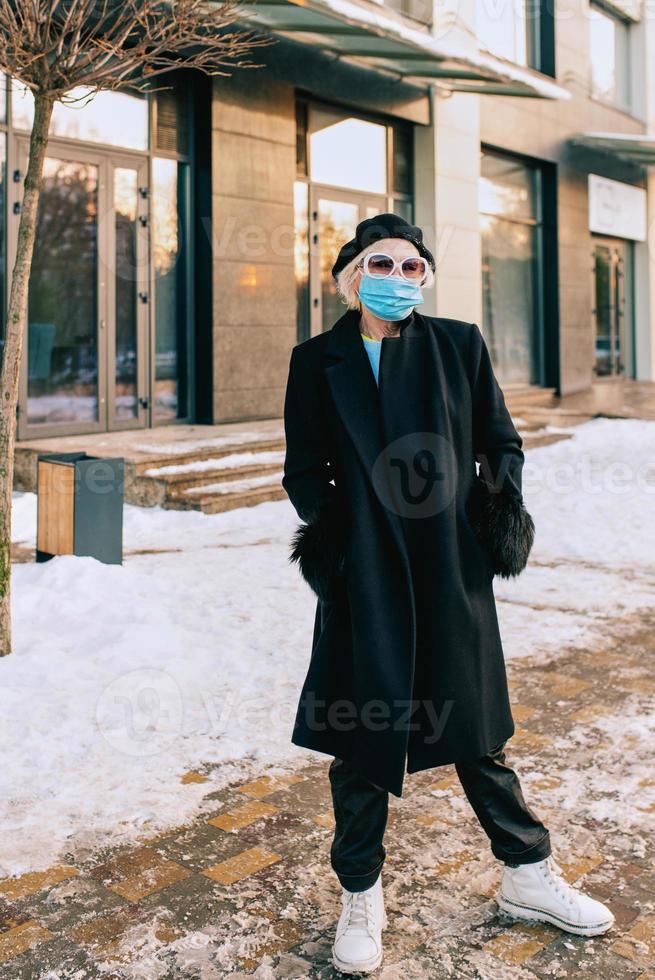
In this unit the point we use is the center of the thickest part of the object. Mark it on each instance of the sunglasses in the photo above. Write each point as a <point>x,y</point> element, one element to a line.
<point>379,265</point>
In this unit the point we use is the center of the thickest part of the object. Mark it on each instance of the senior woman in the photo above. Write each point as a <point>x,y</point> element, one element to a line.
<point>386,415</point>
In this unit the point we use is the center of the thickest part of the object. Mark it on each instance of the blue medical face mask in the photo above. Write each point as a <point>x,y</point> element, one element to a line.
<point>392,298</point>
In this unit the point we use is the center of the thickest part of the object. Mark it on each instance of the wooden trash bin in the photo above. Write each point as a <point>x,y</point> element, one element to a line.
<point>79,507</point>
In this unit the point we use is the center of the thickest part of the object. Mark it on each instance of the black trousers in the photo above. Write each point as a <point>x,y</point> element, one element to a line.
<point>492,788</point>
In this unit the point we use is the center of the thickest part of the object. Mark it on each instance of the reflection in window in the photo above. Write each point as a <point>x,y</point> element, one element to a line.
<point>62,319</point>
<point>301,257</point>
<point>348,152</point>
<point>302,115</point>
<point>403,160</point>
<point>506,187</point>
<point>169,199</point>
<point>510,29</point>
<point>609,54</point>
<point>172,116</point>
<point>511,261</point>
<point>337,221</point>
<point>126,272</point>
<point>116,118</point>
<point>404,209</point>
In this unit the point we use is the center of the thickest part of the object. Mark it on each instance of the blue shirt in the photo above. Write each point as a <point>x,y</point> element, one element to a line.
<point>373,349</point>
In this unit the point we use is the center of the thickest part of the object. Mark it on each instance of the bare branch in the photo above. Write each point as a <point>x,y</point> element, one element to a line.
<point>53,46</point>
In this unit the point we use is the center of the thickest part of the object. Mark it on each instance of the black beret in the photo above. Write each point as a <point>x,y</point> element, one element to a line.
<point>372,230</point>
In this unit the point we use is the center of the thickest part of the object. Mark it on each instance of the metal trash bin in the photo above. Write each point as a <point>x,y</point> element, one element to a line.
<point>79,507</point>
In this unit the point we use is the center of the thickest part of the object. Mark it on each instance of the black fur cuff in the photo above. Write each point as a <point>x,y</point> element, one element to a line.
<point>318,547</point>
<point>504,527</point>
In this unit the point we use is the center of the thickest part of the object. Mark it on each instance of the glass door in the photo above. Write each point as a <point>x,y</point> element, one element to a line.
<point>609,308</point>
<point>84,363</point>
<point>334,216</point>
<point>63,365</point>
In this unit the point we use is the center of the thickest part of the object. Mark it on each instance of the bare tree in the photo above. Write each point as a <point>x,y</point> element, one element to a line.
<point>54,47</point>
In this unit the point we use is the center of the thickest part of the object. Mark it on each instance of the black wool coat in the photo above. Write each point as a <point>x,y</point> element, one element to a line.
<point>400,540</point>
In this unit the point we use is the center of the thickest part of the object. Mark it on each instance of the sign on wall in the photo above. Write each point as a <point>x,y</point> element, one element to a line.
<point>617,209</point>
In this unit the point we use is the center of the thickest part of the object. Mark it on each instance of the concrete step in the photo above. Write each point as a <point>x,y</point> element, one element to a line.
<point>164,481</point>
<point>180,482</point>
<point>239,488</point>
<point>217,503</point>
<point>518,397</point>
<point>536,441</point>
<point>142,467</point>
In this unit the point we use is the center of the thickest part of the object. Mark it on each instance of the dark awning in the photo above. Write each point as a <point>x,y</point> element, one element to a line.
<point>635,147</point>
<point>382,41</point>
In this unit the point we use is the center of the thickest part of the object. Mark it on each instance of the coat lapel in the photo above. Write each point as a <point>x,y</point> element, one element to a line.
<point>353,387</point>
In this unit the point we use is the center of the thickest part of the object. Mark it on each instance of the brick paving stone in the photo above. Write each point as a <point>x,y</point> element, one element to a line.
<point>73,902</point>
<point>57,959</point>
<point>191,903</point>
<point>136,874</point>
<point>243,816</point>
<point>11,916</point>
<point>268,785</point>
<point>520,943</point>
<point>638,944</point>
<point>20,937</point>
<point>199,846</point>
<point>33,882</point>
<point>240,866</point>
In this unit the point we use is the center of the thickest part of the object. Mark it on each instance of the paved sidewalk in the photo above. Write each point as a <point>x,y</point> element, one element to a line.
<point>246,890</point>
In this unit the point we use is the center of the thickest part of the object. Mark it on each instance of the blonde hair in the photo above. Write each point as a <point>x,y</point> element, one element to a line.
<point>346,288</point>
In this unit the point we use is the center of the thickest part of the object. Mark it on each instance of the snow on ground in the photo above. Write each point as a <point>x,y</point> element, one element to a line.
<point>193,652</point>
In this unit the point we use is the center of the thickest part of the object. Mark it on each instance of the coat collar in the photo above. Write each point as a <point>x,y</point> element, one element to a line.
<point>344,339</point>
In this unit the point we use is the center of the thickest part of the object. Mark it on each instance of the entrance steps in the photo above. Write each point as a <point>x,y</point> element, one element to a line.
<point>533,410</point>
<point>210,468</point>
<point>213,481</point>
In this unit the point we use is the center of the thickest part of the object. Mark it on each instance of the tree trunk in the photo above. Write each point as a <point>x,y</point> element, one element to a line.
<point>13,349</point>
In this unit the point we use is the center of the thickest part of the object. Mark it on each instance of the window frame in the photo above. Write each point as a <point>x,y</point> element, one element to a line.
<point>539,37</point>
<point>611,14</point>
<point>538,221</point>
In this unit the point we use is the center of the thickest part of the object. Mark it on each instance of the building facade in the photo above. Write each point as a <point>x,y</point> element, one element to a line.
<point>185,238</point>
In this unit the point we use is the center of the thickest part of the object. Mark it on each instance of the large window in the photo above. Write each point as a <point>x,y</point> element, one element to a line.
<point>345,151</point>
<point>115,118</point>
<point>512,30</point>
<point>609,52</point>
<point>348,168</point>
<point>510,217</point>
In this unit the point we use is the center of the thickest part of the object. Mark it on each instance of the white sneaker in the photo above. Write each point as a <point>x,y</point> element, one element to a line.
<point>538,892</point>
<point>358,944</point>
